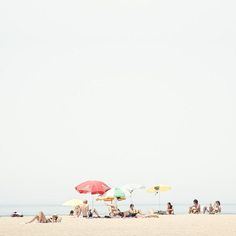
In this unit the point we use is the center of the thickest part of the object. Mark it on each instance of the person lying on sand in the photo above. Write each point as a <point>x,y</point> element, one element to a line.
<point>170,209</point>
<point>196,208</point>
<point>151,214</point>
<point>41,218</point>
<point>213,209</point>
<point>85,211</point>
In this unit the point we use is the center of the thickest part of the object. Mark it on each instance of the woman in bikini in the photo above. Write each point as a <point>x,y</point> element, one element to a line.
<point>41,218</point>
<point>170,209</point>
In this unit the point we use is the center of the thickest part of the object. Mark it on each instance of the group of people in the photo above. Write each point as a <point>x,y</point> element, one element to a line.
<point>211,209</point>
<point>114,211</point>
<point>85,211</point>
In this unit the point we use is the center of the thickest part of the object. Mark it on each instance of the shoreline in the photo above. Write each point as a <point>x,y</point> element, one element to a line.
<point>178,214</point>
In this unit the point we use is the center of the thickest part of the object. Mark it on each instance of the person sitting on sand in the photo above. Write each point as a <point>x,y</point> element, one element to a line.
<point>85,211</point>
<point>132,212</point>
<point>71,213</point>
<point>114,211</point>
<point>196,208</point>
<point>170,209</point>
<point>41,218</point>
<point>77,211</point>
<point>215,209</point>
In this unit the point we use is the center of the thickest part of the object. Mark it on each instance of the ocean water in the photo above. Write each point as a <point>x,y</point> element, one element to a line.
<point>6,210</point>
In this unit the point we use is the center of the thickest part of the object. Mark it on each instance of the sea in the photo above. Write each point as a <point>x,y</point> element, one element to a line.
<point>29,210</point>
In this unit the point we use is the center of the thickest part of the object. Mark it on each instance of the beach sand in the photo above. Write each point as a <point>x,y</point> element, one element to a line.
<point>179,225</point>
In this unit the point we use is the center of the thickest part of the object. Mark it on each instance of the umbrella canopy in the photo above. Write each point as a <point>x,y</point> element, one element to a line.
<point>132,187</point>
<point>73,202</point>
<point>116,193</point>
<point>93,187</point>
<point>159,188</point>
<point>109,199</point>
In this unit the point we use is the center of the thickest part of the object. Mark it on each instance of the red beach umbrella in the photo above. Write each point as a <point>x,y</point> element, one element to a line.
<point>93,187</point>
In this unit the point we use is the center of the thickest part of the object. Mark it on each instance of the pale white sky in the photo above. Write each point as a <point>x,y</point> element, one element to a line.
<point>129,91</point>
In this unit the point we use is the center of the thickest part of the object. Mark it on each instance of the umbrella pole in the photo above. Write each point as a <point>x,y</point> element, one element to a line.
<point>159,201</point>
<point>92,201</point>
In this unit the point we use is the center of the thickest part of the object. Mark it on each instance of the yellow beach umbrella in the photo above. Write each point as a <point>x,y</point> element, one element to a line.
<point>73,202</point>
<point>157,189</point>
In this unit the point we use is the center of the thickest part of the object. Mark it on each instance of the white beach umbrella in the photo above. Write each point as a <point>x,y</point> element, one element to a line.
<point>131,188</point>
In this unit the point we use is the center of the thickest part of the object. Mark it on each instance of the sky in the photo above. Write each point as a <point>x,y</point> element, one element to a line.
<point>125,91</point>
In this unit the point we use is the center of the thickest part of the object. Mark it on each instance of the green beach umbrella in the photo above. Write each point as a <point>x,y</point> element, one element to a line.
<point>116,193</point>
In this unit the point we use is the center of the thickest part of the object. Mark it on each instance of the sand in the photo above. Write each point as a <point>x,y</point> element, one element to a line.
<point>179,225</point>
